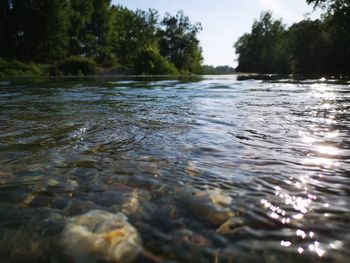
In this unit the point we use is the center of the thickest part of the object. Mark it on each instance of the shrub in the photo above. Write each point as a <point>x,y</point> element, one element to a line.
<point>74,66</point>
<point>16,68</point>
<point>150,61</point>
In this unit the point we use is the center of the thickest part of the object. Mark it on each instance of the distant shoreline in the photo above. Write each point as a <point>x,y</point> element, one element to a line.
<point>280,78</point>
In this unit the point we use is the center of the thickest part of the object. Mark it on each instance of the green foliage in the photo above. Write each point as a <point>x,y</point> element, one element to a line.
<point>220,70</point>
<point>15,68</point>
<point>34,30</point>
<point>74,66</point>
<point>47,31</point>
<point>337,24</point>
<point>179,44</point>
<point>133,31</point>
<point>151,62</point>
<point>80,18</point>
<point>260,50</point>
<point>307,47</point>
<point>99,30</point>
<point>331,5</point>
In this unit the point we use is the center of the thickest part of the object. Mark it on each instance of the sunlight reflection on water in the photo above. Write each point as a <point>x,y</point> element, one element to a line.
<point>206,170</point>
<point>320,156</point>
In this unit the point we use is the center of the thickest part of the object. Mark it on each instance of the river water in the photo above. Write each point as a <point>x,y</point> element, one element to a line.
<point>206,169</point>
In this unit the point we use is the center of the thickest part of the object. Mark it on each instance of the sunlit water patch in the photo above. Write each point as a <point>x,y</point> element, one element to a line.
<point>177,170</point>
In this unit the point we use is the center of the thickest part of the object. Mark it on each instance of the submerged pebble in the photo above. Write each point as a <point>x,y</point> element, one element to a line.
<point>208,206</point>
<point>99,235</point>
<point>22,246</point>
<point>231,226</point>
<point>95,186</point>
<point>217,197</point>
<point>192,169</point>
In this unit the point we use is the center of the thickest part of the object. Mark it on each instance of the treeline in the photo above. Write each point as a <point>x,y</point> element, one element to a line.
<point>308,47</point>
<point>219,70</point>
<point>70,34</point>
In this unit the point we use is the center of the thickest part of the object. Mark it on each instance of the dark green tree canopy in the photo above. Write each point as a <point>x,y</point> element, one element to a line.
<point>133,32</point>
<point>34,30</point>
<point>178,42</point>
<point>258,51</point>
<point>308,47</point>
<point>48,31</point>
<point>337,23</point>
<point>80,18</point>
<point>332,4</point>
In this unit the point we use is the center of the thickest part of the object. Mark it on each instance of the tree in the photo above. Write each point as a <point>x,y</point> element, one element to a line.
<point>211,70</point>
<point>47,31</point>
<point>149,61</point>
<point>132,33</point>
<point>5,28</point>
<point>337,21</point>
<point>259,51</point>
<point>52,19</point>
<point>80,19</point>
<point>98,35</point>
<point>332,5</point>
<point>247,57</point>
<point>308,47</point>
<point>34,30</point>
<point>179,44</point>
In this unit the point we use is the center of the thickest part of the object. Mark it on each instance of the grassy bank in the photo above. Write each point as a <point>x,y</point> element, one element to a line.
<point>72,66</point>
<point>81,66</point>
<point>16,68</point>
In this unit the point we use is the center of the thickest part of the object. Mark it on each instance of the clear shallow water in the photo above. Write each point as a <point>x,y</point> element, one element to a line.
<point>207,170</point>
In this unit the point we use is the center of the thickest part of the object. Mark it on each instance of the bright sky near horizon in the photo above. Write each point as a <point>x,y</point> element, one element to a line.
<point>224,21</point>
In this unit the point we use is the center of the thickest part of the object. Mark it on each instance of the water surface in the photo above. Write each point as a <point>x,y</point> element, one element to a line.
<point>208,170</point>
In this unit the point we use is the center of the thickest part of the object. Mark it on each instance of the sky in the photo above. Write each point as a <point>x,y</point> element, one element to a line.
<point>224,21</point>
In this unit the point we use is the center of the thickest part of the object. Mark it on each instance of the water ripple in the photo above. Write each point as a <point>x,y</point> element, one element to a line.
<point>207,169</point>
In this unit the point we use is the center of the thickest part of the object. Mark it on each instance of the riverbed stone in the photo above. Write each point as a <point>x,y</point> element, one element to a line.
<point>192,169</point>
<point>21,246</point>
<point>231,226</point>
<point>12,196</point>
<point>60,202</point>
<point>69,185</point>
<point>208,206</point>
<point>100,235</point>
<point>94,186</point>
<point>5,174</point>
<point>78,207</point>
<point>133,203</point>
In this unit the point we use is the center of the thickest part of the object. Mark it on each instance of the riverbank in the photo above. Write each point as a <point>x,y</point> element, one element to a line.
<point>72,66</point>
<point>87,68</point>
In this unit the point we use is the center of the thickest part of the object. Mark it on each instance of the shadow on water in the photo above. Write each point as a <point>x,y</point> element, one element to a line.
<point>296,78</point>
